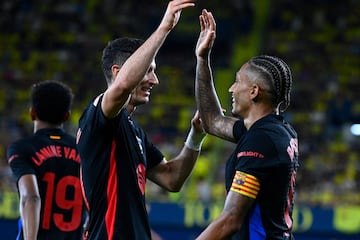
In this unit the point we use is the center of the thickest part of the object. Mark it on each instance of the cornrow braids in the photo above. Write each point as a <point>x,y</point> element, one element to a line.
<point>286,80</point>
<point>278,76</point>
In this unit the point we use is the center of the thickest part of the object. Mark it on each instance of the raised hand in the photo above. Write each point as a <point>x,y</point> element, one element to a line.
<point>207,34</point>
<point>173,12</point>
<point>197,123</point>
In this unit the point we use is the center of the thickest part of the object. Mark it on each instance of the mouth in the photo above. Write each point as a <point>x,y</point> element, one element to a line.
<point>146,90</point>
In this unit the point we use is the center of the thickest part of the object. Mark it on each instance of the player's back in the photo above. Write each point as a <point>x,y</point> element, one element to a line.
<point>51,155</point>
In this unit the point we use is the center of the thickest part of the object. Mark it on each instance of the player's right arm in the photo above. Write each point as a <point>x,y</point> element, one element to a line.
<point>134,69</point>
<point>30,204</point>
<point>211,113</point>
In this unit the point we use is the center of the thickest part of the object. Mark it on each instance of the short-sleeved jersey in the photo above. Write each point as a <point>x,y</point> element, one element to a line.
<point>115,155</point>
<point>51,155</point>
<point>268,153</point>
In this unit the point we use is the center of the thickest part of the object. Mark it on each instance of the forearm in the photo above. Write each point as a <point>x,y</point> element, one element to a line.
<point>185,161</point>
<point>183,165</point>
<point>206,98</point>
<point>172,174</point>
<point>135,68</point>
<point>30,216</point>
<point>221,228</point>
<point>215,231</point>
<point>131,73</point>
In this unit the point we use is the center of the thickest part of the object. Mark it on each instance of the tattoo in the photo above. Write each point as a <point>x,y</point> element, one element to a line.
<point>209,106</point>
<point>224,128</point>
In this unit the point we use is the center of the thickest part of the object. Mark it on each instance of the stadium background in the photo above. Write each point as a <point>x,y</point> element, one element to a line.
<point>319,39</point>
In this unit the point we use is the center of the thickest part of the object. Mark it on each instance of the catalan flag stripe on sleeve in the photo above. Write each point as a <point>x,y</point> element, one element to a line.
<point>245,184</point>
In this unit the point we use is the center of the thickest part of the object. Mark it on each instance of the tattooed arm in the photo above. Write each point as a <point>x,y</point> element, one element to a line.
<point>214,121</point>
<point>230,219</point>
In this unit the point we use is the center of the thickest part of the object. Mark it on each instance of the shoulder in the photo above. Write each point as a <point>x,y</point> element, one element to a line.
<point>19,149</point>
<point>69,138</point>
<point>97,100</point>
<point>239,129</point>
<point>92,112</point>
<point>22,143</point>
<point>273,125</point>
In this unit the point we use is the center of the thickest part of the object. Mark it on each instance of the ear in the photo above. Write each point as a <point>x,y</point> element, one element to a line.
<point>32,114</point>
<point>66,116</point>
<point>114,70</point>
<point>254,92</point>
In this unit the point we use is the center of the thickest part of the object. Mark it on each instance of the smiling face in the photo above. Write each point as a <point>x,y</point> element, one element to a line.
<point>241,93</point>
<point>141,94</point>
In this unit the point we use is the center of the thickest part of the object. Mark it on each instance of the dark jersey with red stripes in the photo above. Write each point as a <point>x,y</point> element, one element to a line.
<point>115,155</point>
<point>51,155</point>
<point>267,151</point>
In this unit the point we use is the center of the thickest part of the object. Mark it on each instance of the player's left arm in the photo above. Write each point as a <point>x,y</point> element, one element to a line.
<point>242,194</point>
<point>172,174</point>
<point>230,219</point>
<point>30,204</point>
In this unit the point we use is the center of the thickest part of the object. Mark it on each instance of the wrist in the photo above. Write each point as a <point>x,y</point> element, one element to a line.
<point>195,140</point>
<point>163,30</point>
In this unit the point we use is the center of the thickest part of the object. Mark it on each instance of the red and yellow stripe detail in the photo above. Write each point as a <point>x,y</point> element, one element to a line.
<point>245,184</point>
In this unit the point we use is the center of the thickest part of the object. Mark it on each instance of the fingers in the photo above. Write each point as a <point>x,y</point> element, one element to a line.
<point>211,21</point>
<point>207,20</point>
<point>197,115</point>
<point>197,123</point>
<point>178,5</point>
<point>173,11</point>
<point>202,23</point>
<point>196,118</point>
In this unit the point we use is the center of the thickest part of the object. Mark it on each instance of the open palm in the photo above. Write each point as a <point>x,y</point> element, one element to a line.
<point>207,34</point>
<point>173,12</point>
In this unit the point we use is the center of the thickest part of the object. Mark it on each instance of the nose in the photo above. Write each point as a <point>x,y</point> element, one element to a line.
<point>231,88</point>
<point>153,79</point>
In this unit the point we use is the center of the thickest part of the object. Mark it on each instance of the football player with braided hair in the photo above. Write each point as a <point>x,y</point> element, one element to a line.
<point>260,173</point>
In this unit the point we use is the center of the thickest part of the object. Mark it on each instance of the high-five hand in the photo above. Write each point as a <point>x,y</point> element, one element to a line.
<point>207,35</point>
<point>173,12</point>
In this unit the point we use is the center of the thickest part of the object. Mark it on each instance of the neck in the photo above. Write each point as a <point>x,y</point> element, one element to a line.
<point>253,116</point>
<point>130,108</point>
<point>38,124</point>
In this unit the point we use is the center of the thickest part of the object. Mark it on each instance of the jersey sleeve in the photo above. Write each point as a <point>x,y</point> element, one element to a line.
<point>153,155</point>
<point>245,184</point>
<point>18,160</point>
<point>94,127</point>
<point>94,118</point>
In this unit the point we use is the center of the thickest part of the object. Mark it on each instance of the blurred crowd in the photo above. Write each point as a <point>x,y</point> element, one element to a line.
<point>319,39</point>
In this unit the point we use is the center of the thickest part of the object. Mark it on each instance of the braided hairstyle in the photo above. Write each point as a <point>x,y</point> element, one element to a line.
<point>117,52</point>
<point>277,75</point>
